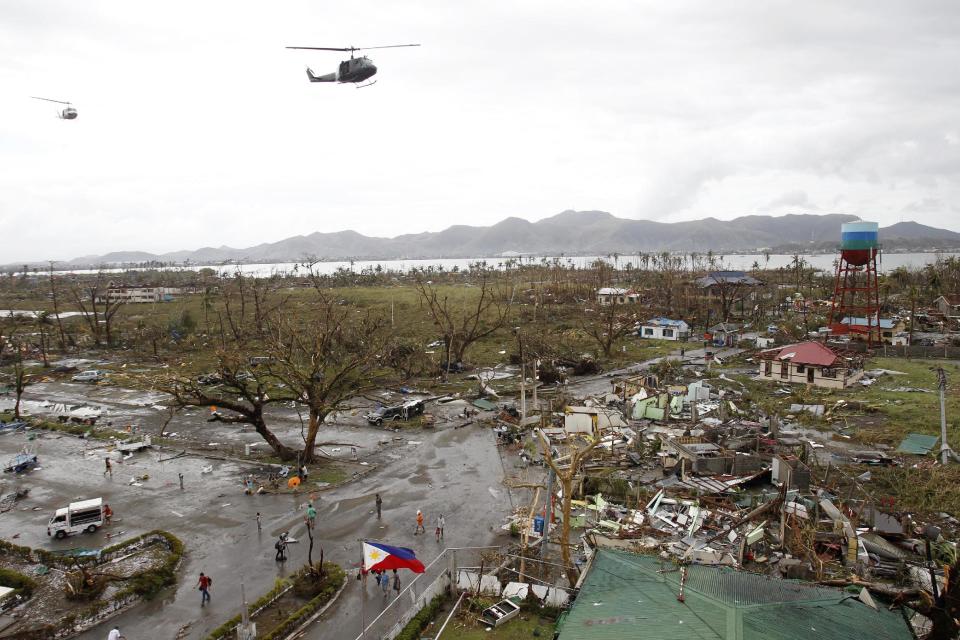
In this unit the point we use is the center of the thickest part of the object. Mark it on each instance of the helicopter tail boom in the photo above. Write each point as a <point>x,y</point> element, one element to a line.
<point>330,77</point>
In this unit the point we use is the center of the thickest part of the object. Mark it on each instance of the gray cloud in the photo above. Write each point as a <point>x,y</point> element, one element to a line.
<point>197,128</point>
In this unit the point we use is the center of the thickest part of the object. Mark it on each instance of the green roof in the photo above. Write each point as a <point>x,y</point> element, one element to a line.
<point>625,595</point>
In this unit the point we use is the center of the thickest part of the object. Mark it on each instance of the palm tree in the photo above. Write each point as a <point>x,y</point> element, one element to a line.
<point>43,321</point>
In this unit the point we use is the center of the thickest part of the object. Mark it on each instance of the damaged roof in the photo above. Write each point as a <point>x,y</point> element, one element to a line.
<point>625,595</point>
<point>810,352</point>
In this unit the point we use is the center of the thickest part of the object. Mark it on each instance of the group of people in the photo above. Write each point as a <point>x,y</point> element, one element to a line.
<point>441,522</point>
<point>383,580</point>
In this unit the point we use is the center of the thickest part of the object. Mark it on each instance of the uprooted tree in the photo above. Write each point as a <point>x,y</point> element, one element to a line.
<point>316,359</point>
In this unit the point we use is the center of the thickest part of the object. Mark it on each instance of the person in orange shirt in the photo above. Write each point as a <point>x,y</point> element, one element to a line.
<point>419,528</point>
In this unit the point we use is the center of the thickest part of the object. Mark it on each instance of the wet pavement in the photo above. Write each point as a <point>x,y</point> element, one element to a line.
<point>456,471</point>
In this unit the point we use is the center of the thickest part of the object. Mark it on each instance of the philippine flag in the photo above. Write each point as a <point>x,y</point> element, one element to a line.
<point>383,557</point>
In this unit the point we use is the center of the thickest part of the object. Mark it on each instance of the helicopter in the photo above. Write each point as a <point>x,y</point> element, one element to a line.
<point>67,114</point>
<point>354,70</point>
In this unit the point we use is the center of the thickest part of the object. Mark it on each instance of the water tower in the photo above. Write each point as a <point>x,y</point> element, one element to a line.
<point>856,291</point>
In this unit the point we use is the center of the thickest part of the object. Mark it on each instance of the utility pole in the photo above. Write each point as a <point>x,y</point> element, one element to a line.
<point>548,516</point>
<point>523,377</point>
<point>247,630</point>
<point>944,447</point>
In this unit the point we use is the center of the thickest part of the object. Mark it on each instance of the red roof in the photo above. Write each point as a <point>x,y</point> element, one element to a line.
<point>812,353</point>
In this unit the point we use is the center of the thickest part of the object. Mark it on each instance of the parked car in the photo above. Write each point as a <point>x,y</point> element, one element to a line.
<point>90,375</point>
<point>405,411</point>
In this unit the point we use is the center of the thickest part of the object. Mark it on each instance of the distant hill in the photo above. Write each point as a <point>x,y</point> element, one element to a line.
<point>569,233</point>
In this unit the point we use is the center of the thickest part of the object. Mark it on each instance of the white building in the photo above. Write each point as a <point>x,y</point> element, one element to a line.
<point>138,294</point>
<point>664,329</point>
<point>613,295</point>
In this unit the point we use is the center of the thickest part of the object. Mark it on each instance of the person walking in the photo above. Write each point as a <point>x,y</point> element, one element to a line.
<point>440,523</point>
<point>108,468</point>
<point>107,514</point>
<point>204,584</point>
<point>379,505</point>
<point>281,547</point>
<point>419,528</point>
<point>385,583</point>
<point>115,634</point>
<point>396,582</point>
<point>259,522</point>
<point>311,516</point>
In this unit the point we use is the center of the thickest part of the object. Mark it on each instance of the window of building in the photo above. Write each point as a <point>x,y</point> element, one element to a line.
<point>647,331</point>
<point>668,333</point>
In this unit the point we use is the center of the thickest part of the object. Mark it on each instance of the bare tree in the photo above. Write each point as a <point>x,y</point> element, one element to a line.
<point>242,395</point>
<point>565,476</point>
<point>462,324</point>
<point>55,297</point>
<point>608,325</point>
<point>326,358</point>
<point>97,305</point>
<point>21,380</point>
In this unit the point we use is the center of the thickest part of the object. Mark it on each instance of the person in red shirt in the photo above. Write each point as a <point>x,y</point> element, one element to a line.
<point>204,585</point>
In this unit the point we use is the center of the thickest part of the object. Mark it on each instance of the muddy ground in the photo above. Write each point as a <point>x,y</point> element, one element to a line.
<point>451,469</point>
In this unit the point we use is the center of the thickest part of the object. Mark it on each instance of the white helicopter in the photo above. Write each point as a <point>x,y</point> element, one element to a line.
<point>67,114</point>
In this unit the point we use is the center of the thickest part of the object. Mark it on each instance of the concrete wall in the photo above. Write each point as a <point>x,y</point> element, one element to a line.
<point>844,378</point>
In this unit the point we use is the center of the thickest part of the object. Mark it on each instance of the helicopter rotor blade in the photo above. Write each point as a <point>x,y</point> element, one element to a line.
<point>352,49</point>
<point>389,46</point>
<point>49,100</point>
<point>325,48</point>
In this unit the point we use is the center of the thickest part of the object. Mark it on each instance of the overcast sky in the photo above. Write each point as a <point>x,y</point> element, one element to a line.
<point>197,128</point>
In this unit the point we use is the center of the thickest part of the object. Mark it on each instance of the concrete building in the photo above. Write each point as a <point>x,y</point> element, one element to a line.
<point>810,363</point>
<point>664,329</point>
<point>138,294</point>
<point>613,295</point>
<point>885,332</point>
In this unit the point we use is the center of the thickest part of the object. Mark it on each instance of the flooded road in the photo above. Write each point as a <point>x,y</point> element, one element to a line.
<point>444,470</point>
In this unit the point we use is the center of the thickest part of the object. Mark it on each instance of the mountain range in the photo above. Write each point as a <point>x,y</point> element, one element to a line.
<point>567,233</point>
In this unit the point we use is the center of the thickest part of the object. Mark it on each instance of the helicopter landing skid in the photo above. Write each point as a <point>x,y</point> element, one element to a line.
<point>364,86</point>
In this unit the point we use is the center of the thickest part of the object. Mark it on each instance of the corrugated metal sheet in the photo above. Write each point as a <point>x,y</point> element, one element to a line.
<point>629,596</point>
<point>918,444</point>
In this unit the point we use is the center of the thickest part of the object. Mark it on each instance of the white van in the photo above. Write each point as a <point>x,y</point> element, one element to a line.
<point>86,515</point>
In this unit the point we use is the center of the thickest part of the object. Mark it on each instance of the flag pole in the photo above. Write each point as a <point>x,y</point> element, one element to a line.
<point>363,592</point>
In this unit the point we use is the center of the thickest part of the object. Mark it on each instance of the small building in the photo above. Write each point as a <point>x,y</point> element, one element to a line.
<point>948,305</point>
<point>725,334</point>
<point>727,278</point>
<point>882,332</point>
<point>119,293</point>
<point>810,363</point>
<point>625,595</point>
<point>664,329</point>
<point>614,295</point>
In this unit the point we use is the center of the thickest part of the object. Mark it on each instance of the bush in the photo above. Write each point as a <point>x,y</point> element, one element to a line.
<point>423,618</point>
<point>333,580</point>
<point>21,584</point>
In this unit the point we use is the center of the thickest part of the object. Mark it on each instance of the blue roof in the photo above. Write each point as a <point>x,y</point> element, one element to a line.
<point>885,323</point>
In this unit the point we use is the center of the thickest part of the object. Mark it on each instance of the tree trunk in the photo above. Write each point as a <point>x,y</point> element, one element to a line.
<point>317,417</point>
<point>572,574</point>
<point>283,452</point>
